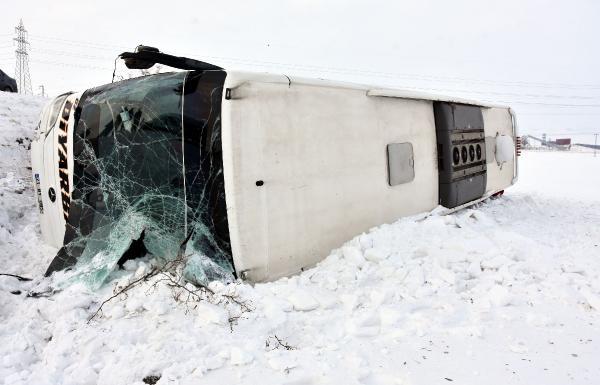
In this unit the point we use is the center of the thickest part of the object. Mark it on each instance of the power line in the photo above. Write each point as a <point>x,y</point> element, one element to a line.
<point>79,43</point>
<point>529,95</point>
<point>22,60</point>
<point>312,68</point>
<point>44,51</point>
<point>508,102</point>
<point>331,69</point>
<point>63,64</point>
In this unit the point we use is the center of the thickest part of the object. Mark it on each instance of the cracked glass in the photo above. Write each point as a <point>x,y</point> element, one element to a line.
<point>148,178</point>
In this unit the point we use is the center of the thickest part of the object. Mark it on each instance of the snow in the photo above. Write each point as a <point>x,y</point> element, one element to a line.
<point>560,175</point>
<point>504,292</point>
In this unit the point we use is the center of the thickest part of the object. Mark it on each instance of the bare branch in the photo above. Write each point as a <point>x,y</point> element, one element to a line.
<point>279,343</point>
<point>16,276</point>
<point>124,290</point>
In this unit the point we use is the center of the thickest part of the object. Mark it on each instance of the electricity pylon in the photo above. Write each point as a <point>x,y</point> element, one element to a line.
<point>22,64</point>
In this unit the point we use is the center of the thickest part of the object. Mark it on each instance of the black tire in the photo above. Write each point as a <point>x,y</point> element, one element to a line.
<point>7,89</point>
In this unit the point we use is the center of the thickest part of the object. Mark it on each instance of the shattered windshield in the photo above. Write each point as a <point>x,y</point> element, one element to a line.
<point>148,177</point>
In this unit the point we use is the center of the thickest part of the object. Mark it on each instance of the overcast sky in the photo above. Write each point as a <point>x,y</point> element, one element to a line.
<point>540,57</point>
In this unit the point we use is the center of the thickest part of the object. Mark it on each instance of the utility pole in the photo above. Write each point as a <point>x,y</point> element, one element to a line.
<point>42,88</point>
<point>22,64</point>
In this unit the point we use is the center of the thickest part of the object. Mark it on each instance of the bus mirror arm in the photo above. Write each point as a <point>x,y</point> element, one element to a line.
<point>145,57</point>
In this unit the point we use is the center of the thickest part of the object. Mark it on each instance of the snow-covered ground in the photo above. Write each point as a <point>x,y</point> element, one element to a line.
<point>507,292</point>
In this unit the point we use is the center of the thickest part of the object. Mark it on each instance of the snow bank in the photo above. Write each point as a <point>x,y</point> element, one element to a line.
<point>20,245</point>
<point>505,292</point>
<point>18,117</point>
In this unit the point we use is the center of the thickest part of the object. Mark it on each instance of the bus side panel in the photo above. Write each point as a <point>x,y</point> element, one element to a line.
<point>306,170</point>
<point>498,121</point>
<point>55,220</point>
<point>49,154</point>
<point>41,185</point>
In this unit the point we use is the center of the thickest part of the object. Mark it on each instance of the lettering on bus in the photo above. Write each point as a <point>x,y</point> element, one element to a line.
<point>63,163</point>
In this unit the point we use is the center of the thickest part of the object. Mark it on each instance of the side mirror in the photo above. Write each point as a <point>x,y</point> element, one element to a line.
<point>138,62</point>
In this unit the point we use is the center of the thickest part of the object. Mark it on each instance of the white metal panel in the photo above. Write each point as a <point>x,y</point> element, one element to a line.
<point>45,163</point>
<point>410,94</point>
<point>53,209</point>
<point>498,121</point>
<point>505,148</point>
<point>321,153</point>
<point>37,168</point>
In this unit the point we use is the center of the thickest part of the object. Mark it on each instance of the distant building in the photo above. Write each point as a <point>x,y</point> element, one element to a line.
<point>530,142</point>
<point>562,144</point>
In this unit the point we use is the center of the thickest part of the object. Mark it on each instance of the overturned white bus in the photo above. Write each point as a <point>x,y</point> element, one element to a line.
<point>264,174</point>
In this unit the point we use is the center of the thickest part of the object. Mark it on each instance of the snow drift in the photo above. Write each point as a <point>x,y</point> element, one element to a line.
<point>505,292</point>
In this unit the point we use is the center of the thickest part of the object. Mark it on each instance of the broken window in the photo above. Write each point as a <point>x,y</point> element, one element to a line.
<point>148,172</point>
